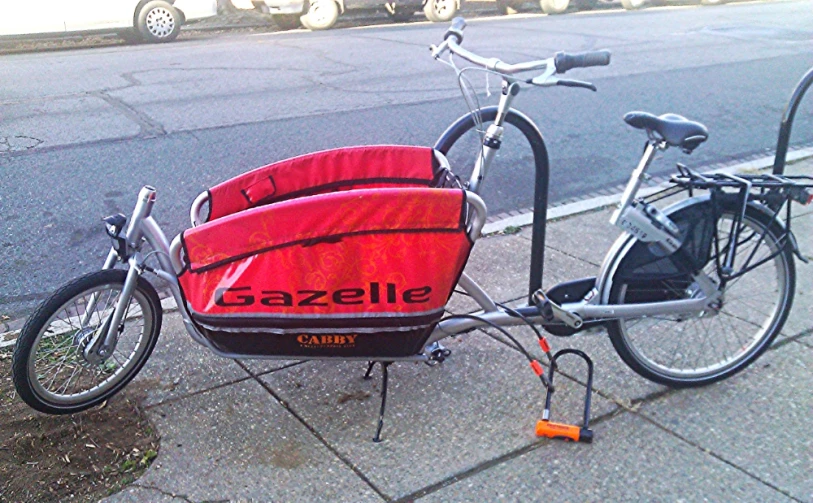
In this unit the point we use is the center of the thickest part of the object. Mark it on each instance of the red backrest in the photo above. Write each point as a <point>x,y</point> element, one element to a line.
<point>322,172</point>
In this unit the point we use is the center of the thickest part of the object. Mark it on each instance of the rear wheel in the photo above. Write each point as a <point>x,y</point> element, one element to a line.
<point>554,6</point>
<point>158,21</point>
<point>321,15</point>
<point>440,11</point>
<point>287,21</point>
<point>49,367</point>
<point>701,348</point>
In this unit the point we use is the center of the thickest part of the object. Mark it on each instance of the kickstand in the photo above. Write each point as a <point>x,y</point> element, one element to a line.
<point>385,378</point>
<point>370,366</point>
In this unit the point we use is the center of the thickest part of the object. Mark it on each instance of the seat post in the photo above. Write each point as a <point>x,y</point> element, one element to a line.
<point>637,178</point>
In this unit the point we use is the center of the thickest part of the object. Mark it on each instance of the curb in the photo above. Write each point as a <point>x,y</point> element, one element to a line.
<point>599,202</point>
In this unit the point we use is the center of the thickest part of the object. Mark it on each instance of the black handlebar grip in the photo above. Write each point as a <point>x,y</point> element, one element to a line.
<point>456,29</point>
<point>565,61</point>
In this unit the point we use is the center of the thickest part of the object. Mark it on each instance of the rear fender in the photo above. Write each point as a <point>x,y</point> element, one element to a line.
<point>625,242</point>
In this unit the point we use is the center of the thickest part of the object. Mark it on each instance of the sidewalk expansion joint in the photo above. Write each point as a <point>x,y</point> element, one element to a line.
<point>267,372</point>
<point>198,392</point>
<point>318,435</point>
<point>713,454</point>
<point>792,338</point>
<point>490,464</point>
<point>181,497</point>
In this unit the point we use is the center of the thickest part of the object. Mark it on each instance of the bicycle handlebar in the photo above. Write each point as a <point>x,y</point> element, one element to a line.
<point>456,29</point>
<point>560,63</point>
<point>565,61</point>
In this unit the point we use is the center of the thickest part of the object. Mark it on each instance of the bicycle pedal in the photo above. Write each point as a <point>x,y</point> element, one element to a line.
<point>552,311</point>
<point>437,354</point>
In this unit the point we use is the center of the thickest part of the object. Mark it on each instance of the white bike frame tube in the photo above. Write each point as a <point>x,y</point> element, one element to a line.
<point>635,182</point>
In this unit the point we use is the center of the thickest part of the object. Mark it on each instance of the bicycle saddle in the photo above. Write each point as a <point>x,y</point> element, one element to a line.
<point>675,130</point>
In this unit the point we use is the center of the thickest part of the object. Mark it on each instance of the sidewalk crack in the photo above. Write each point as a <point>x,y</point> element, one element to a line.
<point>488,464</point>
<point>793,338</point>
<point>347,462</point>
<point>716,456</point>
<point>148,126</point>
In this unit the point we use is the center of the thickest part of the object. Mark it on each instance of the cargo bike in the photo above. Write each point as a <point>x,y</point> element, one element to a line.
<point>353,254</point>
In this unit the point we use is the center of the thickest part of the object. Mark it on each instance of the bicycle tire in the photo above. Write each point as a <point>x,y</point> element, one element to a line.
<point>645,344</point>
<point>60,317</point>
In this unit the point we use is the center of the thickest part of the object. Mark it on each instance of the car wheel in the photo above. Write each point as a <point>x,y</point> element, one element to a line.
<point>554,6</point>
<point>286,21</point>
<point>632,4</point>
<point>158,21</point>
<point>440,11</point>
<point>321,15</point>
<point>712,2</point>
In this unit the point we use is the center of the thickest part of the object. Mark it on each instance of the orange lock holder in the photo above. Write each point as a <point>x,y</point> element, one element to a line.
<point>550,429</point>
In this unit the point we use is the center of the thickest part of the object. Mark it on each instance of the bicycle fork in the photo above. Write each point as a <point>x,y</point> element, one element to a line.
<point>126,246</point>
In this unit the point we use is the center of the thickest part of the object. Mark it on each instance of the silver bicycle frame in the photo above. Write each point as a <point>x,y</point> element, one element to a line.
<point>593,307</point>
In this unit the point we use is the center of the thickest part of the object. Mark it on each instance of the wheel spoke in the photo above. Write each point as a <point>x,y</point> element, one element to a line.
<point>56,370</point>
<point>719,340</point>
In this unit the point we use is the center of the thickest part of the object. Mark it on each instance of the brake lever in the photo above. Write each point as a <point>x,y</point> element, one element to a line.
<point>438,50</point>
<point>576,83</point>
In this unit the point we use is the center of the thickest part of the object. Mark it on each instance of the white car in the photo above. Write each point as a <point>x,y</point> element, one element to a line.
<point>144,20</point>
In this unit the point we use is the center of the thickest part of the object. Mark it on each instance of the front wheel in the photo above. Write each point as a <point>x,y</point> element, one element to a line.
<point>158,21</point>
<point>696,349</point>
<point>49,367</point>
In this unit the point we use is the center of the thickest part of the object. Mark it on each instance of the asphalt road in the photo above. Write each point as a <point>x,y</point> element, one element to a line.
<point>81,131</point>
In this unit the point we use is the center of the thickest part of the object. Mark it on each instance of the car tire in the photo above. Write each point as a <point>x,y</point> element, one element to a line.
<point>286,21</point>
<point>321,15</point>
<point>158,21</point>
<point>554,6</point>
<point>440,11</point>
<point>712,2</point>
<point>632,4</point>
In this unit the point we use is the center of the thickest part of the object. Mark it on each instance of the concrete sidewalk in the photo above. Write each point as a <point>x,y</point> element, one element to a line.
<point>464,430</point>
